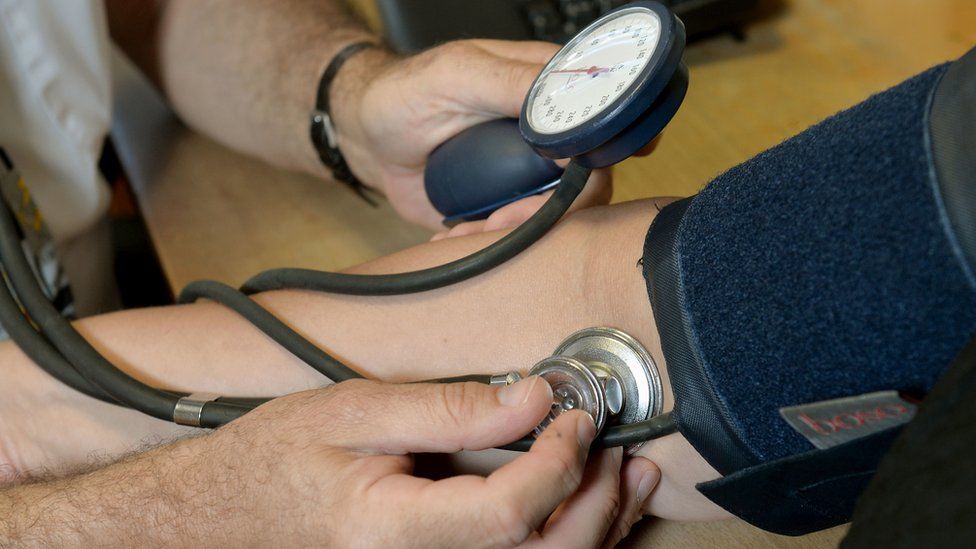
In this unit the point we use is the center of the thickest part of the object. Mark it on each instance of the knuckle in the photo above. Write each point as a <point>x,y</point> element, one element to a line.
<point>458,403</point>
<point>610,508</point>
<point>351,403</point>
<point>452,53</point>
<point>461,61</point>
<point>506,525</point>
<point>518,75</point>
<point>347,395</point>
<point>623,525</point>
<point>568,470</point>
<point>460,47</point>
<point>620,531</point>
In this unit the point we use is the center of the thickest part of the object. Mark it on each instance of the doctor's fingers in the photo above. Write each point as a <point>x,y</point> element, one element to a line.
<point>584,519</point>
<point>368,416</point>
<point>527,51</point>
<point>487,84</point>
<point>506,508</point>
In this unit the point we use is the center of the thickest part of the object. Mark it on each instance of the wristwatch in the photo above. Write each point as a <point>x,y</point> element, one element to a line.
<point>322,130</point>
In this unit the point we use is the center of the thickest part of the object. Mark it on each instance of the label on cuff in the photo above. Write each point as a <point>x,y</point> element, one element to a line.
<point>830,423</point>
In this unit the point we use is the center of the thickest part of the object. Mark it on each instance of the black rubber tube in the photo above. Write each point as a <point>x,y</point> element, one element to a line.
<point>274,328</point>
<point>87,361</point>
<point>618,435</point>
<point>635,433</point>
<point>40,350</point>
<point>42,353</point>
<point>570,186</point>
<point>484,379</point>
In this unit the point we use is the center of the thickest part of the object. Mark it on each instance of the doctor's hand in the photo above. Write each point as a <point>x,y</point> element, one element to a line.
<point>391,113</point>
<point>339,459</point>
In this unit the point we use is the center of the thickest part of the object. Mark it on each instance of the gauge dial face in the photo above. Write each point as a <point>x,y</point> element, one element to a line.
<point>593,70</point>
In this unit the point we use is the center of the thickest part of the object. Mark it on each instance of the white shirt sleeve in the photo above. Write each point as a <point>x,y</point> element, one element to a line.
<point>55,105</point>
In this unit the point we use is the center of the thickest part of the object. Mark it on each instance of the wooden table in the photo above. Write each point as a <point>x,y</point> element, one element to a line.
<point>215,214</point>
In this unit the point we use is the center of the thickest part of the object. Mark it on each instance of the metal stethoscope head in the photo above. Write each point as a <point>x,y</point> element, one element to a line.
<point>605,373</point>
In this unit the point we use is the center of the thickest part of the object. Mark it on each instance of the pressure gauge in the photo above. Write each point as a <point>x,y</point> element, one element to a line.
<point>603,97</point>
<point>610,90</point>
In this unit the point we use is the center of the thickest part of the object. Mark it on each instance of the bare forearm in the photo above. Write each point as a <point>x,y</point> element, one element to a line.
<point>153,498</point>
<point>583,274</point>
<point>242,71</point>
<point>506,319</point>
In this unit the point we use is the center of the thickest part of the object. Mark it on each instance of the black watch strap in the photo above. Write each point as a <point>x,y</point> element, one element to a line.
<point>322,129</point>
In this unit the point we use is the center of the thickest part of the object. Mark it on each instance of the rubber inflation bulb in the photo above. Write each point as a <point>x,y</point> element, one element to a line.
<point>484,168</point>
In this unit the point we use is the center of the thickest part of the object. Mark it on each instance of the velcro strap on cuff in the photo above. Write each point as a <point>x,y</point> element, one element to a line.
<point>802,493</point>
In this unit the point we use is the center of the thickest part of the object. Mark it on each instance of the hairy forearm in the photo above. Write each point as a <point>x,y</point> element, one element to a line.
<point>173,495</point>
<point>128,503</point>
<point>244,72</point>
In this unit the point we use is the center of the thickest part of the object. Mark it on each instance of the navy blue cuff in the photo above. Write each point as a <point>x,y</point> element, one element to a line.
<point>803,493</point>
<point>820,270</point>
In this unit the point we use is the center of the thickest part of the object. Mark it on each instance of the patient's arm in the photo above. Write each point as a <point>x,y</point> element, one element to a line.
<point>583,274</point>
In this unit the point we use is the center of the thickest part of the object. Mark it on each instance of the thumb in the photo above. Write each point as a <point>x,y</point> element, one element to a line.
<point>494,84</point>
<point>440,418</point>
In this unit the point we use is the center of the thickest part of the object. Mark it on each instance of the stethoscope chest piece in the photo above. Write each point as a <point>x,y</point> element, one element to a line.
<point>604,372</point>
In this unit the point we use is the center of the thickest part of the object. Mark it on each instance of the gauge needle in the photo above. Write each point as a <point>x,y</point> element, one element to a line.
<point>592,71</point>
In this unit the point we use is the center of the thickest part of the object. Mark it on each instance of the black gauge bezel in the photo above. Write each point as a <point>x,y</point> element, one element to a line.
<point>627,108</point>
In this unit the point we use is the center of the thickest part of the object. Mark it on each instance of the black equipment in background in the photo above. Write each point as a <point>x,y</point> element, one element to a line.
<point>413,25</point>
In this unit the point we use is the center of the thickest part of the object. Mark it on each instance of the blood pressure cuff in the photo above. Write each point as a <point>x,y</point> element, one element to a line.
<point>806,298</point>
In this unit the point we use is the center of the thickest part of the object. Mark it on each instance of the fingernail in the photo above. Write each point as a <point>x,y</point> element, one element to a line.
<point>585,430</point>
<point>647,483</point>
<point>517,394</point>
